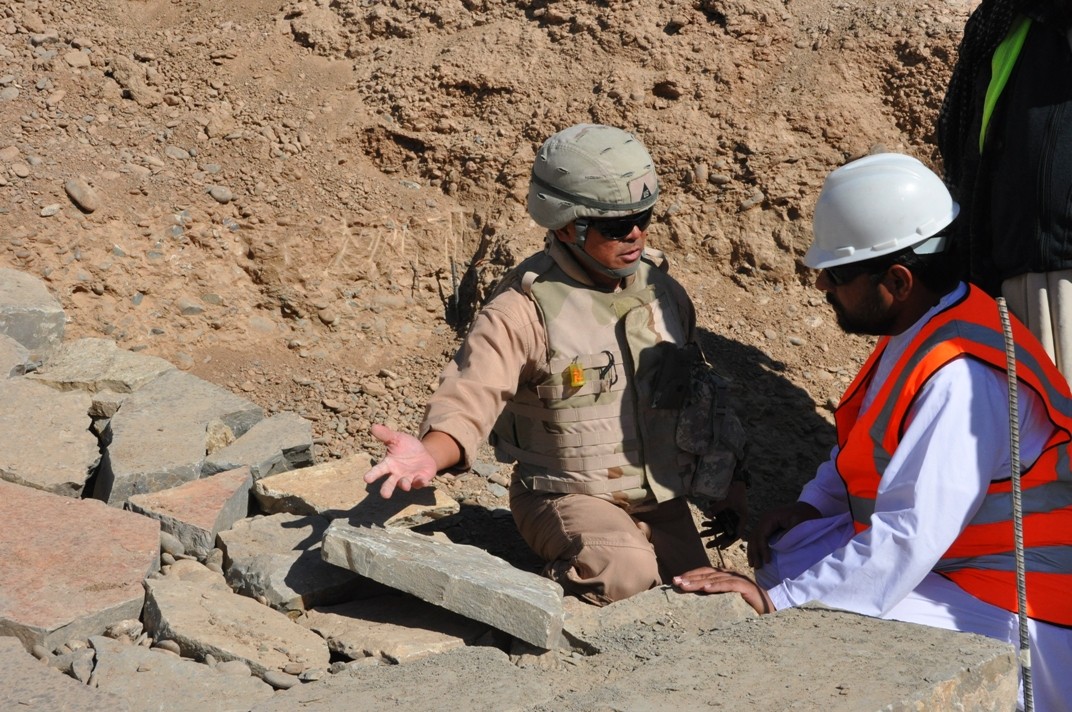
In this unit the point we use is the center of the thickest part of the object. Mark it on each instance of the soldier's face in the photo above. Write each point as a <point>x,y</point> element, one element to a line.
<point>614,253</point>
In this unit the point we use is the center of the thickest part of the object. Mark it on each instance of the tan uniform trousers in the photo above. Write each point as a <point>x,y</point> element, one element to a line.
<point>600,553</point>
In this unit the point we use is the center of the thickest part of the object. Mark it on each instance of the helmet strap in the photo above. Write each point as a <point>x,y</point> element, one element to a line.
<point>580,231</point>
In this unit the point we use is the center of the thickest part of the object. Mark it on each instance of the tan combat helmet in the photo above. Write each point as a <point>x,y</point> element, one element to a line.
<point>590,171</point>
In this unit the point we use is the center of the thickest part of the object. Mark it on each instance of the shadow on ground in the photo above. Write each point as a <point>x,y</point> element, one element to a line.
<point>492,530</point>
<point>788,437</point>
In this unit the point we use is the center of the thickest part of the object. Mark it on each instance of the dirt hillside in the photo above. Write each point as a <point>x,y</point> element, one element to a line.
<point>305,202</point>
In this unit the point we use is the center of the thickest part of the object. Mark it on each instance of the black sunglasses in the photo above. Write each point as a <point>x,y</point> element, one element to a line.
<point>620,228</point>
<point>843,274</point>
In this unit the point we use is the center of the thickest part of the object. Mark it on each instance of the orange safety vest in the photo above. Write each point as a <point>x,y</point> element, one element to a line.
<point>982,559</point>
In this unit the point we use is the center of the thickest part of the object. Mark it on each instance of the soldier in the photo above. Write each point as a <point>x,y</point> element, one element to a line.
<point>578,369</point>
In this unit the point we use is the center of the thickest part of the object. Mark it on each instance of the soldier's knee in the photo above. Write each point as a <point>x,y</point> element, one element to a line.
<point>633,571</point>
<point>603,572</point>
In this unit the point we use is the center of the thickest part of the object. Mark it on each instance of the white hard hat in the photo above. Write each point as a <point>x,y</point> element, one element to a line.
<point>590,170</point>
<point>877,205</point>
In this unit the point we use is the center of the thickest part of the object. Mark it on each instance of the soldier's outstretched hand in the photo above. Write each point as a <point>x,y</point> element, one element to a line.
<point>408,465</point>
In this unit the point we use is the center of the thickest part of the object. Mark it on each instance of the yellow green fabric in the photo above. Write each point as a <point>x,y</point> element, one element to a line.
<point>1001,66</point>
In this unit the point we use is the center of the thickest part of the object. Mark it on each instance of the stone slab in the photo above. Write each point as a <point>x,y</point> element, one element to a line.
<point>163,432</point>
<point>336,489</point>
<point>94,365</point>
<point>70,568</point>
<point>204,617</point>
<point>277,444</point>
<point>593,628</point>
<point>460,578</point>
<point>800,659</point>
<point>399,629</point>
<point>137,674</point>
<point>197,511</point>
<point>473,678</point>
<point>64,453</point>
<point>29,313</point>
<point>28,686</point>
<point>807,659</point>
<point>13,357</point>
<point>278,557</point>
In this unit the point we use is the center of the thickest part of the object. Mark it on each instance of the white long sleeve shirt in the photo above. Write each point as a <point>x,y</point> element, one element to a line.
<point>955,444</point>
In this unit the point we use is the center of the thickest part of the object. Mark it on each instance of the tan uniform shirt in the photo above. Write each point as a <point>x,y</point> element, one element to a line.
<point>506,346</point>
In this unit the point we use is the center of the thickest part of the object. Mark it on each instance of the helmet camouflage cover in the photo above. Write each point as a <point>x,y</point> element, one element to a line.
<point>590,170</point>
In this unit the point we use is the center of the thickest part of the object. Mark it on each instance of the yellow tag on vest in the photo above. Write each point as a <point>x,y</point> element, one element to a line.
<point>576,375</point>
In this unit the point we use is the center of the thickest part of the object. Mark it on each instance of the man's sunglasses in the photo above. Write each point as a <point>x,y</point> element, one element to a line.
<point>620,228</point>
<point>843,274</point>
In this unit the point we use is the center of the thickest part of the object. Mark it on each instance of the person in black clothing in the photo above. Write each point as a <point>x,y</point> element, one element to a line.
<point>1005,136</point>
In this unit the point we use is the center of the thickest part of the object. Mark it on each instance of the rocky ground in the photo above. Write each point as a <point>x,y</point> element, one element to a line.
<point>305,202</point>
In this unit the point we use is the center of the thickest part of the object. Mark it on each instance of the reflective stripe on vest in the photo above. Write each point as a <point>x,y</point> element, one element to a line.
<point>596,437</point>
<point>981,559</point>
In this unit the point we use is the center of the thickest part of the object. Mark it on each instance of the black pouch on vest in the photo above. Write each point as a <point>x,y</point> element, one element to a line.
<point>709,428</point>
<point>675,369</point>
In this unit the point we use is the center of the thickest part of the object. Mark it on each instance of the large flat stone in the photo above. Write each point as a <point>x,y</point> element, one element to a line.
<point>138,674</point>
<point>800,659</point>
<point>460,578</point>
<point>277,444</point>
<point>94,365</point>
<point>28,686</point>
<point>806,659</point>
<point>70,568</point>
<point>163,432</point>
<point>466,679</point>
<point>397,628</point>
<point>336,489</point>
<point>594,628</point>
<point>204,617</point>
<point>278,557</point>
<point>64,453</point>
<point>197,511</point>
<point>29,313</point>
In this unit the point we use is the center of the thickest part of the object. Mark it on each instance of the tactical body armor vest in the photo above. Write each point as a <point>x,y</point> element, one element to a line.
<point>601,417</point>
